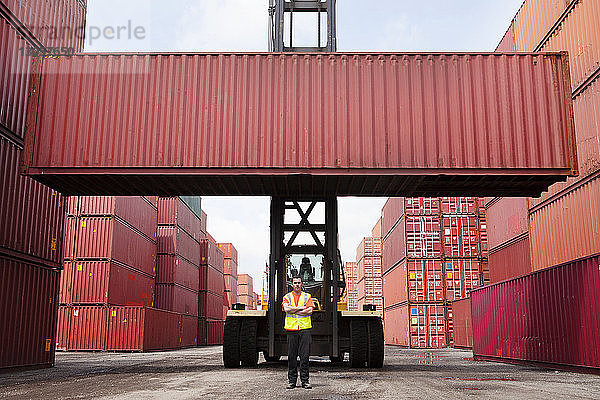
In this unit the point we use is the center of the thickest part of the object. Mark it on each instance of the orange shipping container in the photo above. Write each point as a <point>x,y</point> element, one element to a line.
<point>534,20</point>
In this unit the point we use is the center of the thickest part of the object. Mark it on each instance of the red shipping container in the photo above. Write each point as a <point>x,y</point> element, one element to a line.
<point>175,241</point>
<point>244,279</point>
<point>87,328</point>
<point>586,107</point>
<point>230,268</point>
<point>176,269</point>
<point>172,297</point>
<point>459,205</point>
<point>462,326</point>
<point>507,44</point>
<point>369,247</point>
<point>416,326</point>
<point>369,267</point>
<point>506,219</point>
<point>460,236</point>
<point>394,246</point>
<point>203,221</point>
<point>414,281</point>
<point>247,300</point>
<point>244,290</point>
<point>376,231</point>
<point>482,127</point>
<point>174,211</point>
<point>392,210</point>
<point>211,254</point>
<point>109,239</point>
<point>66,283</point>
<point>533,22</point>
<point>143,329</point>
<point>62,327</point>
<point>211,305</point>
<point>189,331</point>
<point>368,287</point>
<point>562,324</point>
<point>422,205</point>
<point>70,230</point>
<point>56,24</point>
<point>229,251</point>
<point>32,215</point>
<point>211,279</point>
<point>28,306</point>
<point>571,217</point>
<point>511,260</point>
<point>15,68</point>
<point>136,211</point>
<point>423,237</point>
<point>72,206</point>
<point>108,282</point>
<point>230,298</point>
<point>230,283</point>
<point>210,332</point>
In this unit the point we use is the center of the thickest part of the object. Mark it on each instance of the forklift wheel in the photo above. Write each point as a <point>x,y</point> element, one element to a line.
<point>231,343</point>
<point>358,342</point>
<point>271,359</point>
<point>248,350</point>
<point>376,345</point>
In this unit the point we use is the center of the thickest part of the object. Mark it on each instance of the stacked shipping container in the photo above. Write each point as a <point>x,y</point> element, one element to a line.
<point>31,215</point>
<point>212,299</point>
<point>369,282</point>
<point>231,273</point>
<point>433,254</point>
<point>351,285</point>
<point>245,291</point>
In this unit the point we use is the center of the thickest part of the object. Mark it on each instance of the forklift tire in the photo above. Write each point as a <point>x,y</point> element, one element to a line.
<point>375,348</point>
<point>271,359</point>
<point>337,360</point>
<point>231,343</point>
<point>358,342</point>
<point>248,348</point>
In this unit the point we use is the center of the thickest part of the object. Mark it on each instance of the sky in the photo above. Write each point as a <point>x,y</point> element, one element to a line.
<point>242,25</point>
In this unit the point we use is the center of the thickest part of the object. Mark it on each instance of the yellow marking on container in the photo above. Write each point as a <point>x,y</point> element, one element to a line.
<point>53,244</point>
<point>413,275</point>
<point>449,275</point>
<point>79,267</point>
<point>113,313</point>
<point>83,224</point>
<point>48,344</point>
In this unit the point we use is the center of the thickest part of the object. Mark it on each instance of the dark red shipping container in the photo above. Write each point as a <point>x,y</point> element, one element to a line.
<point>31,215</point>
<point>462,325</point>
<point>561,328</point>
<point>210,332</point>
<point>179,299</point>
<point>107,282</point>
<point>70,233</point>
<point>66,283</point>
<point>175,241</point>
<point>15,67</point>
<point>176,269</point>
<point>28,306</point>
<point>511,260</point>
<point>62,327</point>
<point>229,251</point>
<point>109,239</point>
<point>212,254</point>
<point>136,211</point>
<point>143,329</point>
<point>211,279</point>
<point>230,297</point>
<point>174,211</point>
<point>394,120</point>
<point>211,305</point>
<point>87,328</point>
<point>189,331</point>
<point>60,23</point>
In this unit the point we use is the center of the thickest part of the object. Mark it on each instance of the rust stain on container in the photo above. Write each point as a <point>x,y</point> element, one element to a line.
<point>391,119</point>
<point>572,218</point>
<point>549,316</point>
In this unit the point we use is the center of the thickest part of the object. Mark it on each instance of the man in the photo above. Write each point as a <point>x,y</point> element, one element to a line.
<point>298,307</point>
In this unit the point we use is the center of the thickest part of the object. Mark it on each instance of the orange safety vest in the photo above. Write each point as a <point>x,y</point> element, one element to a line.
<point>294,322</point>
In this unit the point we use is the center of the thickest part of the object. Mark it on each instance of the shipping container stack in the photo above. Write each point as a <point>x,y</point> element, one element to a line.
<point>31,215</point>
<point>432,256</point>
<point>212,300</point>
<point>109,261</point>
<point>369,281</point>
<point>560,228</point>
<point>231,274</point>
<point>352,285</point>
<point>245,291</point>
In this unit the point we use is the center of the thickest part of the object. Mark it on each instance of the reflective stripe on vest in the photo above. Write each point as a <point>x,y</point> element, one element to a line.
<point>294,322</point>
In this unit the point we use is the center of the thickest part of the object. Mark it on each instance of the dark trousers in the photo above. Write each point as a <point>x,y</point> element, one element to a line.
<point>298,345</point>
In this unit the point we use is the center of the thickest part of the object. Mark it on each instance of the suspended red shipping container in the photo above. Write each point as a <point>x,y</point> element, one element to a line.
<point>109,239</point>
<point>562,324</point>
<point>229,251</point>
<point>506,219</point>
<point>87,328</point>
<point>454,124</point>
<point>31,215</point>
<point>210,332</point>
<point>462,326</point>
<point>28,306</point>
<point>189,331</point>
<point>15,67</point>
<point>174,211</point>
<point>211,279</point>
<point>176,269</point>
<point>175,241</point>
<point>510,260</point>
<point>143,329</point>
<point>136,211</point>
<point>459,205</point>
<point>179,299</point>
<point>108,282</point>
<point>53,24</point>
<point>416,325</point>
<point>571,217</point>
<point>211,305</point>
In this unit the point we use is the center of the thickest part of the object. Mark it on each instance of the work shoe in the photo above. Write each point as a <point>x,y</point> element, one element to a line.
<point>306,385</point>
<point>291,386</point>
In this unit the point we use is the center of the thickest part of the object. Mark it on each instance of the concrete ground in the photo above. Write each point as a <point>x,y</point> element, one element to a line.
<point>198,373</point>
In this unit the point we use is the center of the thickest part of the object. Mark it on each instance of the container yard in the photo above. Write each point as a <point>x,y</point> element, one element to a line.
<point>477,272</point>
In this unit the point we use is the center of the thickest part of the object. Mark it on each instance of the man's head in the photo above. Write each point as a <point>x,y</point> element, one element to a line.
<point>297,283</point>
